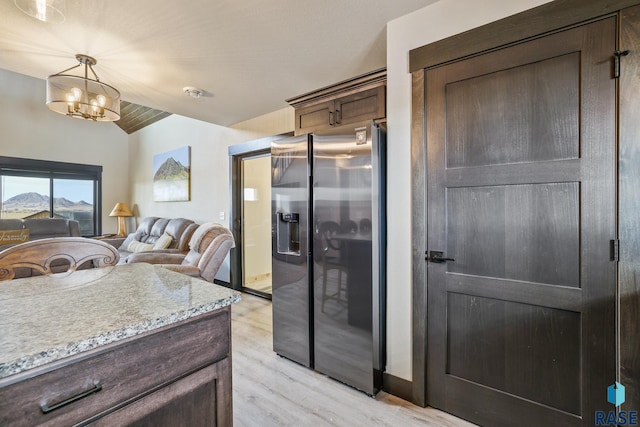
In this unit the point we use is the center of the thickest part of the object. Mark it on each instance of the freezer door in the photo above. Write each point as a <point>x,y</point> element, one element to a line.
<point>289,231</point>
<point>343,240</point>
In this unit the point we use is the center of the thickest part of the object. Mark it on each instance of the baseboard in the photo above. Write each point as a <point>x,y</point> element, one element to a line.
<point>399,387</point>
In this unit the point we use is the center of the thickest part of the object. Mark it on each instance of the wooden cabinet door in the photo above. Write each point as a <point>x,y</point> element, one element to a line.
<point>314,117</point>
<point>124,371</point>
<point>365,105</point>
<point>521,194</point>
<point>200,399</point>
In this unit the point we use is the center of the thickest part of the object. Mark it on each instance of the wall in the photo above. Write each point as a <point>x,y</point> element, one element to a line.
<point>209,164</point>
<point>432,23</point>
<point>274,123</point>
<point>29,129</point>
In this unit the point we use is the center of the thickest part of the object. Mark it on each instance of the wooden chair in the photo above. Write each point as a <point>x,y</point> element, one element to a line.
<point>56,255</point>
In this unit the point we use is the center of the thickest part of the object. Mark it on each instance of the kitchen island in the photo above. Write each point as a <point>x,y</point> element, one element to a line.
<point>130,344</point>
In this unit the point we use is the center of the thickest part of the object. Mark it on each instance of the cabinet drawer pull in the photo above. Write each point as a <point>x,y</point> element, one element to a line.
<point>330,118</point>
<point>46,408</point>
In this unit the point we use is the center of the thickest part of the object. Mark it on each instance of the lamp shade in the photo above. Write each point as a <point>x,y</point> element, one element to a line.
<point>44,10</point>
<point>92,99</point>
<point>82,97</point>
<point>121,209</point>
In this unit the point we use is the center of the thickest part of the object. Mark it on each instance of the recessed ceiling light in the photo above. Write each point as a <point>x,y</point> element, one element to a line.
<point>193,92</point>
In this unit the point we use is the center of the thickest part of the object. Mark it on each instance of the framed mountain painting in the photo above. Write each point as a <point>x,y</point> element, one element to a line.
<point>172,175</point>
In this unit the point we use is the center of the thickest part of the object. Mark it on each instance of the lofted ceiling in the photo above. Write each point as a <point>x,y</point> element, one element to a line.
<point>248,56</point>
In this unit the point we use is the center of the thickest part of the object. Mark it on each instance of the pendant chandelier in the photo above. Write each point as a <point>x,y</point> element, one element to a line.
<point>82,97</point>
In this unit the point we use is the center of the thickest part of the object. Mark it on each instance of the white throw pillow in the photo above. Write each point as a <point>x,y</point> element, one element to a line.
<point>163,242</point>
<point>136,246</point>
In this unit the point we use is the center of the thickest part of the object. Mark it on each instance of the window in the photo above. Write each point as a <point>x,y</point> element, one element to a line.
<point>42,189</point>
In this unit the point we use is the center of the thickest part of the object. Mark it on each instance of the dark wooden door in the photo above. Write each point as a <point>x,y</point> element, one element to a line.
<point>521,193</point>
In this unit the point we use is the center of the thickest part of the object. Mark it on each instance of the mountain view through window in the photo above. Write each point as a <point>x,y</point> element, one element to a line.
<point>31,197</point>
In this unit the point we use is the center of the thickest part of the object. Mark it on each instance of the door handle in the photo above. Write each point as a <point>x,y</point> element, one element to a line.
<point>437,257</point>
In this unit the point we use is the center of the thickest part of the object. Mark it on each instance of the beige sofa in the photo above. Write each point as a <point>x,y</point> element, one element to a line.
<point>152,228</point>
<point>208,247</point>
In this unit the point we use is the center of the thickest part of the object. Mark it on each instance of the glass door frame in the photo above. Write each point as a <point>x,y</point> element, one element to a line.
<point>238,153</point>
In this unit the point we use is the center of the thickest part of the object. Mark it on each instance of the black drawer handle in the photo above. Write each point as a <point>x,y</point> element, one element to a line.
<point>46,408</point>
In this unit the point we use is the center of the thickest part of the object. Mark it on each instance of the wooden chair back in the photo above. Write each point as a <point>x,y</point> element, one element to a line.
<point>40,254</point>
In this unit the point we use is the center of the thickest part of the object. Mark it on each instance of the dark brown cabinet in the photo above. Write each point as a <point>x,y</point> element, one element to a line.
<point>354,100</point>
<point>177,375</point>
<point>367,104</point>
<point>197,399</point>
<point>313,117</point>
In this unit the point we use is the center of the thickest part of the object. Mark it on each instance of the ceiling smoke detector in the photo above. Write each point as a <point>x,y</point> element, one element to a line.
<point>193,92</point>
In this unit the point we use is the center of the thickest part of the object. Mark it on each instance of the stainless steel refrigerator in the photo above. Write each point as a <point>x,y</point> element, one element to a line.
<point>328,228</point>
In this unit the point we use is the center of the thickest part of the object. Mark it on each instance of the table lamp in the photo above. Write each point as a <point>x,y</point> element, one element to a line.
<point>121,210</point>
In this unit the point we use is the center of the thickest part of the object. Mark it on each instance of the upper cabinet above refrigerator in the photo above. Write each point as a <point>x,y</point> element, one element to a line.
<point>350,101</point>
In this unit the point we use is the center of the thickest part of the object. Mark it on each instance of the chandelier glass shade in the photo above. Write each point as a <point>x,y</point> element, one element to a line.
<point>81,96</point>
<point>44,10</point>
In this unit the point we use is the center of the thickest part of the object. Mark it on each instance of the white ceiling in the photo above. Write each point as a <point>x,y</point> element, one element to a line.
<point>247,55</point>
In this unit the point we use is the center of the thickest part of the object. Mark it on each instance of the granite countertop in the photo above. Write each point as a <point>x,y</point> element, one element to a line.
<point>46,318</point>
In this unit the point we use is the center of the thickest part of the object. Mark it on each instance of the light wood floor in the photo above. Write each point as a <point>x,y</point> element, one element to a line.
<point>269,390</point>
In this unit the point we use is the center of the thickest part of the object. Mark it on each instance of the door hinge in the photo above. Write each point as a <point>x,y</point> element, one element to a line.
<point>615,250</point>
<point>616,61</point>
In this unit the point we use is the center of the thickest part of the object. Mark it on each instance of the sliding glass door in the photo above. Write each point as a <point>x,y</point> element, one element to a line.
<point>256,223</point>
<point>42,189</point>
